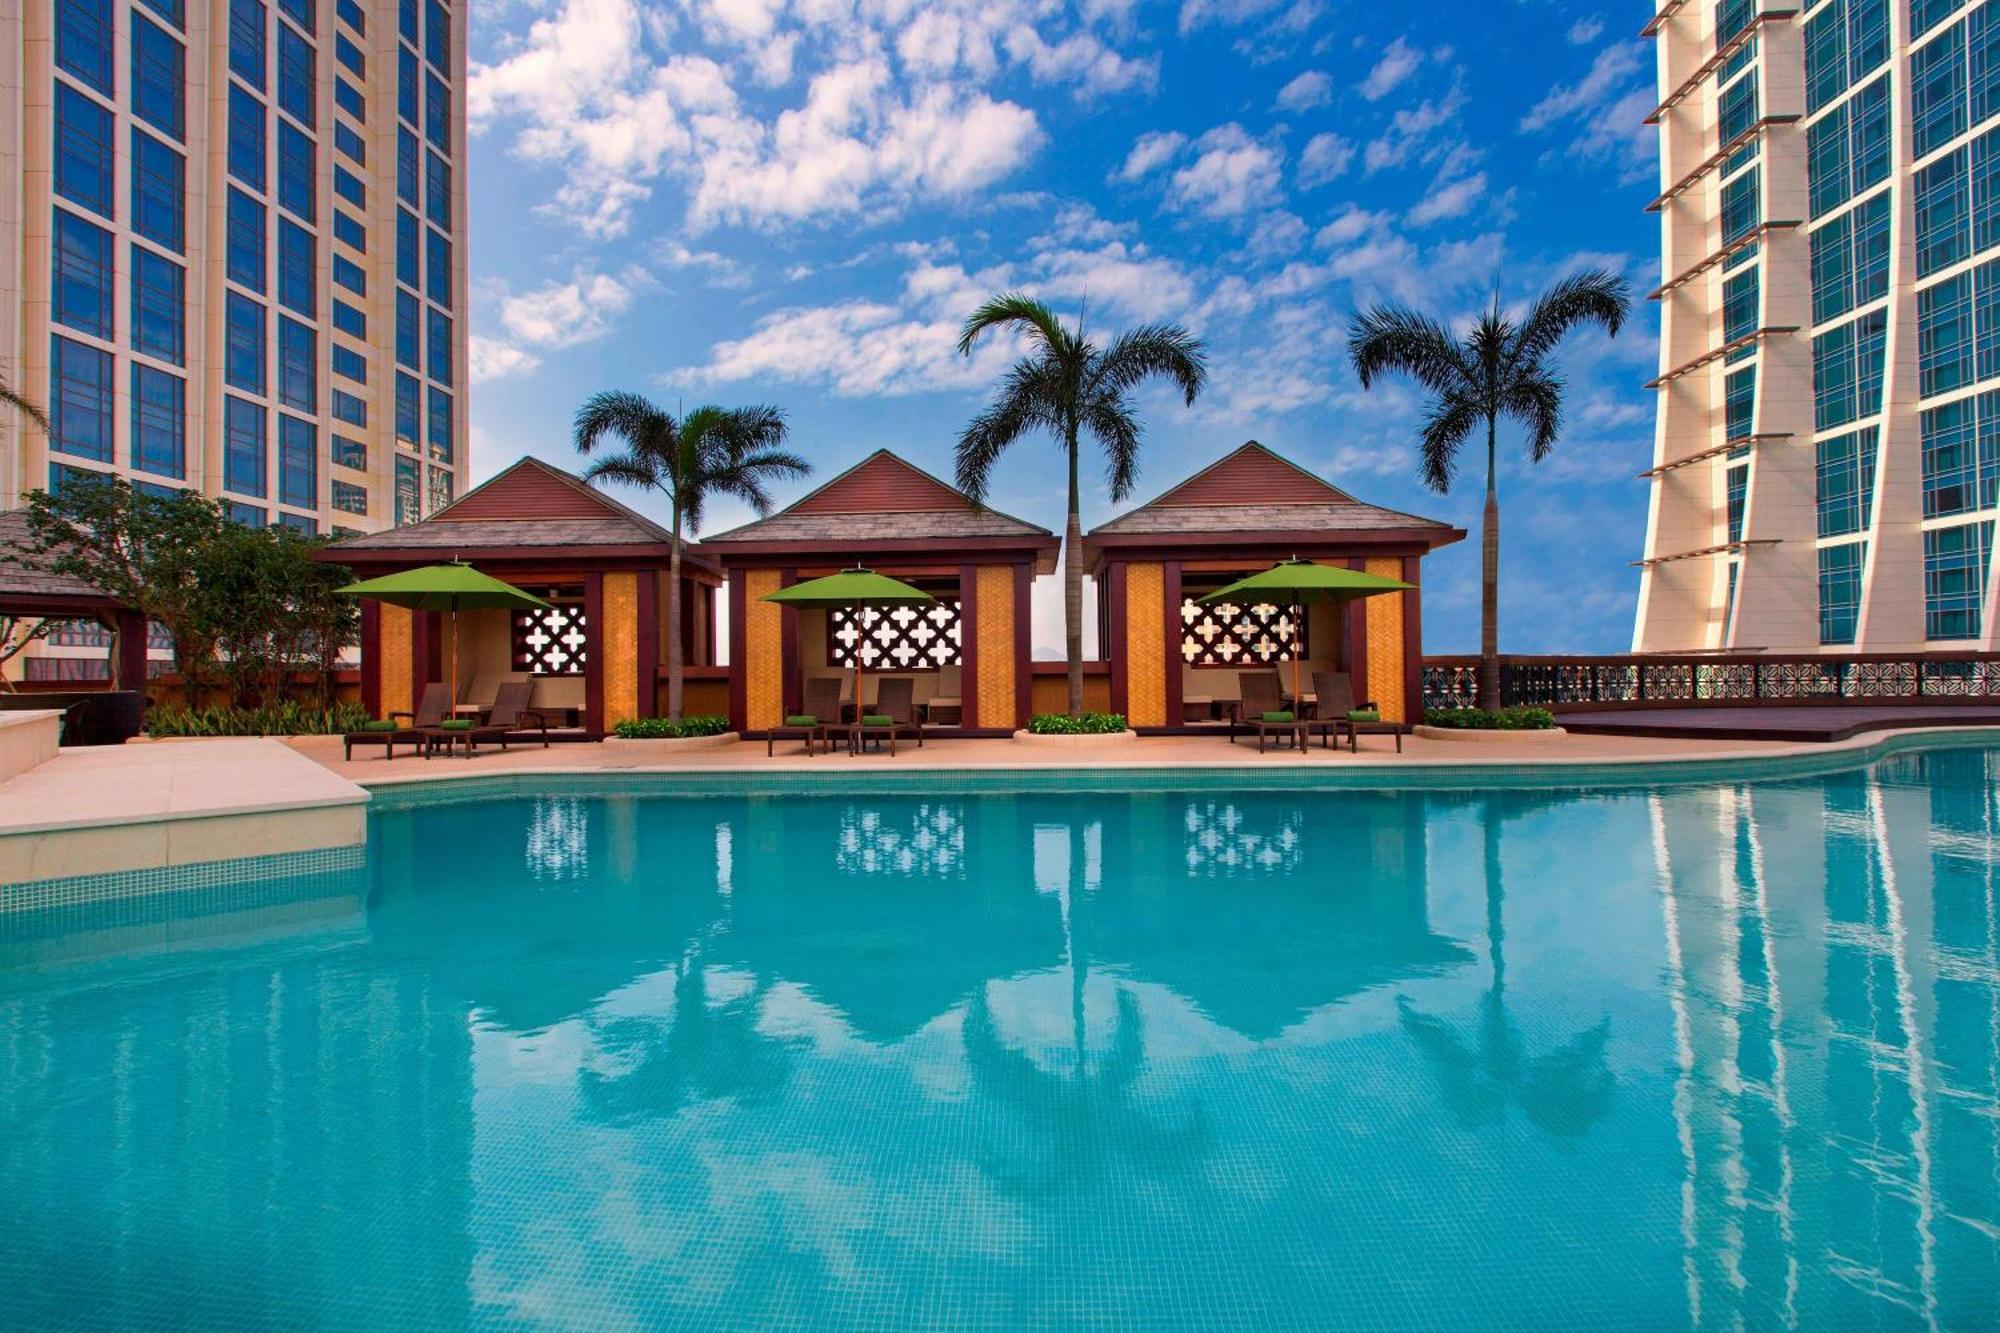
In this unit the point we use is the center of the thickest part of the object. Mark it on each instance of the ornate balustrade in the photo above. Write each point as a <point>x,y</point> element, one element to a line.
<point>1661,681</point>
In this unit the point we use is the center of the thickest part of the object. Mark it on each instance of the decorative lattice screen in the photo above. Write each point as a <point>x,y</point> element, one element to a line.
<point>549,640</point>
<point>1223,634</point>
<point>895,638</point>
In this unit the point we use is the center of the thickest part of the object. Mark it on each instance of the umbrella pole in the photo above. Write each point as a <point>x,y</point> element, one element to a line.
<point>860,637</point>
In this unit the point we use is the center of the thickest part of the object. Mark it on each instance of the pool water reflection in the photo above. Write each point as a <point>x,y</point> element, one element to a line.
<point>1698,1056</point>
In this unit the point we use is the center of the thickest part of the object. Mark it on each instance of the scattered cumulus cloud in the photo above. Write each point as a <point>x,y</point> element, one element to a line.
<point>1311,89</point>
<point>1586,30</point>
<point>1231,174</point>
<point>1604,112</point>
<point>1150,152</point>
<point>1326,157</point>
<point>1398,62</point>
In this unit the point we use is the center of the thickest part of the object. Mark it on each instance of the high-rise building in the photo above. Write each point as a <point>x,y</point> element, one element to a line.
<point>1827,463</point>
<point>232,251</point>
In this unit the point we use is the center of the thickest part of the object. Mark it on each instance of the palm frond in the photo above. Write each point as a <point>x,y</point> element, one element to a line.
<point>1447,425</point>
<point>1535,400</point>
<point>1028,398</point>
<point>20,403</point>
<point>629,468</point>
<point>622,415</point>
<point>1018,310</point>
<point>1592,296</point>
<point>1154,349</point>
<point>1108,418</point>
<point>1386,339</point>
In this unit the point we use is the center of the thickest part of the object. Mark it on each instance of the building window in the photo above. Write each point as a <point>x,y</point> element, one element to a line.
<point>409,332</point>
<point>1937,92</point>
<point>1739,206</point>
<point>1944,335</point>
<point>1736,491</point>
<point>243,344</point>
<point>246,138</point>
<point>349,408</point>
<point>350,13</point>
<point>409,490</point>
<point>350,364</point>
<point>1844,481</point>
<point>1943,212</point>
<point>439,274</point>
<point>298,365</point>
<point>348,186</point>
<point>246,41</point>
<point>298,462</point>
<point>438,345</point>
<point>157,81</point>
<point>349,320</point>
<point>1850,259</point>
<point>79,400</point>
<point>347,453</point>
<point>299,523</point>
<point>250,516</point>
<point>348,141</point>
<point>437,190</point>
<point>440,495</point>
<point>82,275</point>
<point>348,274</point>
<point>159,191</point>
<point>159,422</point>
<point>159,306</point>
<point>83,41</point>
<point>296,77</point>
<point>1847,371</point>
<point>440,426</point>
<point>406,21</point>
<point>437,113</point>
<point>407,85</point>
<point>1950,461</point>
<point>246,241</point>
<point>1927,14</point>
<point>243,447</point>
<point>437,37</point>
<point>409,165</point>
<point>83,151</point>
<point>409,410</point>
<point>1840,591</point>
<point>301,12</point>
<point>1736,108</point>
<point>349,232</point>
<point>298,275</point>
<point>1740,403</point>
<point>1740,306</point>
<point>296,187</point>
<point>348,98</point>
<point>349,55</point>
<point>1955,563</point>
<point>407,232</point>
<point>1847,150</point>
<point>349,498</point>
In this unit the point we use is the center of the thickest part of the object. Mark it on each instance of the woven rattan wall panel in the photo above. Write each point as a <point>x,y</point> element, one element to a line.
<point>394,663</point>
<point>621,648</point>
<point>1385,644</point>
<point>996,646</point>
<point>763,652</point>
<point>1145,645</point>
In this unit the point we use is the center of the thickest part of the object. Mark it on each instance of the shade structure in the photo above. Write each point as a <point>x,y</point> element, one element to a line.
<point>454,587</point>
<point>856,588</point>
<point>1300,580</point>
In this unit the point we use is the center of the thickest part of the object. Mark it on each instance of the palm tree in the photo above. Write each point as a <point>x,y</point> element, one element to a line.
<point>1068,386</point>
<point>20,403</point>
<point>1499,368</point>
<point>710,451</point>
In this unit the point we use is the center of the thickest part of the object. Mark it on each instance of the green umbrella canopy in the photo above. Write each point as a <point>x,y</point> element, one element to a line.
<point>850,587</point>
<point>1296,577</point>
<point>453,587</point>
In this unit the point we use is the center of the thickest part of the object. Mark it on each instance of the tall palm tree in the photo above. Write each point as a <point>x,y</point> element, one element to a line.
<point>1499,368</point>
<point>710,451</point>
<point>1069,386</point>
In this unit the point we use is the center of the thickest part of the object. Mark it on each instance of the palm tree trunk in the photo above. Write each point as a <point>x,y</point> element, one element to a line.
<point>674,666</point>
<point>1489,583</point>
<point>1073,588</point>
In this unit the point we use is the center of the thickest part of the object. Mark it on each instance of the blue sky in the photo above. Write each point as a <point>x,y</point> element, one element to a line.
<point>798,201</point>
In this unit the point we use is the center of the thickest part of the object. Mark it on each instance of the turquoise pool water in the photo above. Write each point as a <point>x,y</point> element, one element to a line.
<point>1715,1056</point>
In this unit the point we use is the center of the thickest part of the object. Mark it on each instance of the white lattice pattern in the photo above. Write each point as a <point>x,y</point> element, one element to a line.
<point>895,638</point>
<point>549,640</point>
<point>1225,634</point>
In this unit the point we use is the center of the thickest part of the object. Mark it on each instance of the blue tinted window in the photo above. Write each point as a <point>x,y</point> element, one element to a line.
<point>80,398</point>
<point>83,151</point>
<point>348,231</point>
<point>347,497</point>
<point>1739,207</point>
<point>407,85</point>
<point>409,165</point>
<point>81,271</point>
<point>296,78</point>
<point>409,490</point>
<point>437,36</point>
<point>1955,564</point>
<point>1982,63</point>
<point>347,141</point>
<point>1943,212</point>
<point>243,450</point>
<point>246,138</point>
<point>157,62</point>
<point>243,343</point>
<point>1740,305</point>
<point>1844,481</point>
<point>349,55</point>
<point>409,409</point>
<point>350,364</point>
<point>298,365</point>
<point>351,14</point>
<point>1736,484</point>
<point>1840,591</point>
<point>301,12</point>
<point>1950,459</point>
<point>347,185</point>
<point>298,463</point>
<point>159,306</point>
<point>1944,335</point>
<point>437,190</point>
<point>246,41</point>
<point>438,345</point>
<point>159,422</point>
<point>1737,108</point>
<point>407,232</point>
<point>349,320</point>
<point>1937,92</point>
<point>409,332</point>
<point>1927,14</point>
<point>1847,371</point>
<point>295,173</point>
<point>299,523</point>
<point>349,454</point>
<point>250,516</point>
<point>349,408</point>
<point>83,41</point>
<point>1740,403</point>
<point>246,241</point>
<point>439,269</point>
<point>439,431</point>
<point>350,275</point>
<point>159,191</point>
<point>437,113</point>
<point>348,98</point>
<point>298,274</point>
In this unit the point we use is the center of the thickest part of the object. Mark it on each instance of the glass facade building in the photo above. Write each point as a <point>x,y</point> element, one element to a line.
<point>1826,467</point>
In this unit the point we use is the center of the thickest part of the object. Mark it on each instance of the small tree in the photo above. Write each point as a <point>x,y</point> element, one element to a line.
<point>272,612</point>
<point>17,633</point>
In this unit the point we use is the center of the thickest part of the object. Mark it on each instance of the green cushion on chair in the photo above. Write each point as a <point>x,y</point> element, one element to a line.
<point>1279,715</point>
<point>457,724</point>
<point>877,720</point>
<point>381,726</point>
<point>801,720</point>
<point>1364,715</point>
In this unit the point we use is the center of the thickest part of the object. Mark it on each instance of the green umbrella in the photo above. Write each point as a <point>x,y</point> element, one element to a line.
<point>454,587</point>
<point>856,588</point>
<point>1303,578</point>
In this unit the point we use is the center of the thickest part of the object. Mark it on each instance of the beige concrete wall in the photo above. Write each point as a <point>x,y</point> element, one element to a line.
<point>27,738</point>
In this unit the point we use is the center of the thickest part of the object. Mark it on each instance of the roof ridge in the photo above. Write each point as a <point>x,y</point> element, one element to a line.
<point>567,478</point>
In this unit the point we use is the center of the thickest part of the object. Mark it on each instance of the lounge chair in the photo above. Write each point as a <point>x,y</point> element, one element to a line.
<point>895,715</point>
<point>509,719</point>
<point>394,730</point>
<point>1259,709</point>
<point>947,706</point>
<point>1339,713</point>
<point>816,725</point>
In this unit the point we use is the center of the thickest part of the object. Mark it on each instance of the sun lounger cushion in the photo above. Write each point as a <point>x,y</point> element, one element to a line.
<point>457,724</point>
<point>381,726</point>
<point>877,720</point>
<point>1364,715</point>
<point>1279,715</point>
<point>801,720</point>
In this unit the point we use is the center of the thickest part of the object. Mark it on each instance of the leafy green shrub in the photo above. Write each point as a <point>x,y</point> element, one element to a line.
<point>1517,718</point>
<point>665,728</point>
<point>289,718</point>
<point>1084,724</point>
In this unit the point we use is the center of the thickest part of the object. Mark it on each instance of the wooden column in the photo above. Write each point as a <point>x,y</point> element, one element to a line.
<point>128,670</point>
<point>1113,646</point>
<point>738,708</point>
<point>593,652</point>
<point>371,656</point>
<point>968,647</point>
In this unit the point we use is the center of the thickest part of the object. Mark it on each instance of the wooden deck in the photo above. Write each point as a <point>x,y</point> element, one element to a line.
<point>1781,722</point>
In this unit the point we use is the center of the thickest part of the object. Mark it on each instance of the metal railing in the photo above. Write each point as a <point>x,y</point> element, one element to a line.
<point>1668,681</point>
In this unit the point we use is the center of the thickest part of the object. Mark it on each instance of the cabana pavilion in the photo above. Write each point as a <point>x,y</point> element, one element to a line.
<point>31,590</point>
<point>967,656</point>
<point>596,655</point>
<point>1176,663</point>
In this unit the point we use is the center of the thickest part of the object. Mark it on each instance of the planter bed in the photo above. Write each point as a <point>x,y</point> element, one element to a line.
<point>1478,734</point>
<point>1060,739</point>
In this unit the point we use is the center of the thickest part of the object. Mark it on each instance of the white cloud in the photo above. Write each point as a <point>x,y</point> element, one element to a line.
<point>1231,174</point>
<point>1230,13</point>
<point>1310,89</point>
<point>1399,61</point>
<point>1150,152</point>
<point>1448,199</point>
<point>1412,132</point>
<point>563,314</point>
<point>1325,157</point>
<point>492,359</point>
<point>1606,111</point>
<point>1586,30</point>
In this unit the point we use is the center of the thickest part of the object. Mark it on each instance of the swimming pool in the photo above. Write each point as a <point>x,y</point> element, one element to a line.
<point>1700,1054</point>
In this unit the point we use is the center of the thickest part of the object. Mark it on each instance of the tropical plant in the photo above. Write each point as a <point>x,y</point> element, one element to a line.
<point>1076,724</point>
<point>667,728</point>
<point>711,451</point>
<point>32,411</point>
<point>1500,367</point>
<point>1069,386</point>
<point>1520,717</point>
<point>285,718</point>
